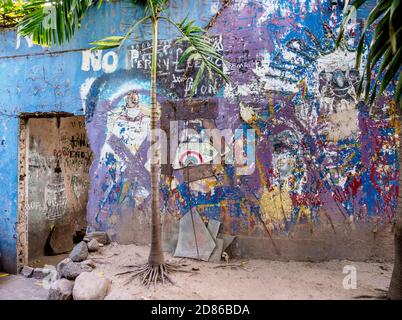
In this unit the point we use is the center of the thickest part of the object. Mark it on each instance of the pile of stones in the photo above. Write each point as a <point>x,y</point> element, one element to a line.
<point>73,278</point>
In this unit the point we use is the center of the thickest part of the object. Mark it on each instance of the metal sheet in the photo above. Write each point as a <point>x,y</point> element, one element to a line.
<point>190,237</point>
<point>213,227</point>
<point>217,253</point>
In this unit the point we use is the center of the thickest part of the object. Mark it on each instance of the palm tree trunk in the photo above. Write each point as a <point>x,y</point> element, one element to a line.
<point>395,288</point>
<point>156,254</point>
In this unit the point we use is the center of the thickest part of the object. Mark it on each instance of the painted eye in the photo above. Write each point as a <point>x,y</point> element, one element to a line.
<point>193,154</point>
<point>278,147</point>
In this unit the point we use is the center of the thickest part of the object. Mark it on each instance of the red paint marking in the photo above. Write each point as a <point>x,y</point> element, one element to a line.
<point>189,153</point>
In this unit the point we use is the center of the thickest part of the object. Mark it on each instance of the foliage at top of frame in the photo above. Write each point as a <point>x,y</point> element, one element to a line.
<point>10,13</point>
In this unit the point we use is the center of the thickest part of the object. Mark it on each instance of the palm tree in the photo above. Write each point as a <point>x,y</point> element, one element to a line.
<point>384,57</point>
<point>67,16</point>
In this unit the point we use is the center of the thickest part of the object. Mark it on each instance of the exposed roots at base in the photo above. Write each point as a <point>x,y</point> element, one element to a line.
<point>150,273</point>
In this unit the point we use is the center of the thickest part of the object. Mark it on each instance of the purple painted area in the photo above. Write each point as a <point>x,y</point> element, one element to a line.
<point>318,154</point>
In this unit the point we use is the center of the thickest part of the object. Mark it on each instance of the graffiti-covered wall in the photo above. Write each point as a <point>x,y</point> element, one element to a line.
<point>58,157</point>
<point>302,162</point>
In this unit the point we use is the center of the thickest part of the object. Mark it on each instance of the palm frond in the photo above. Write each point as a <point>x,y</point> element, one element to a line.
<point>384,55</point>
<point>53,22</point>
<point>200,49</point>
<point>107,43</point>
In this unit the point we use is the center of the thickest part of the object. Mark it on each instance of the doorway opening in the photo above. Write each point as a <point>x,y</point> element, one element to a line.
<point>54,161</point>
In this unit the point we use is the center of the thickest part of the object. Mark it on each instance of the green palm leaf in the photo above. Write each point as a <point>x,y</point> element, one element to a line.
<point>384,54</point>
<point>53,22</point>
<point>117,41</point>
<point>200,48</point>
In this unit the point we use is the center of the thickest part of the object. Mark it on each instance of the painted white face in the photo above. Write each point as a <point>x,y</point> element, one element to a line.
<point>130,122</point>
<point>132,100</point>
<point>337,83</point>
<point>282,163</point>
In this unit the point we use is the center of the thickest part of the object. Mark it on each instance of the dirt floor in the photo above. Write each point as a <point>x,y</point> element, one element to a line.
<point>253,279</point>
<point>240,279</point>
<point>19,288</point>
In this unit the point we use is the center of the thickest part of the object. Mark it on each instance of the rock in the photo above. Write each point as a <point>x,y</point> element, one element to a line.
<point>41,273</point>
<point>93,245</point>
<point>61,290</point>
<point>79,253</point>
<point>71,270</point>
<point>91,286</point>
<point>27,271</point>
<point>100,236</point>
<point>62,263</point>
<point>89,262</point>
<point>60,239</point>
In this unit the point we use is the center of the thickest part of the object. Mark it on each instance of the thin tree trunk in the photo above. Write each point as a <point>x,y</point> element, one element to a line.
<point>395,288</point>
<point>156,253</point>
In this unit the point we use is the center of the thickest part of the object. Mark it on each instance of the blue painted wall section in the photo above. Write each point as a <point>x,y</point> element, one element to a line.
<point>319,158</point>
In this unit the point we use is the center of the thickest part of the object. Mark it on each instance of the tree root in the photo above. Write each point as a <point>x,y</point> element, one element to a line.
<point>150,273</point>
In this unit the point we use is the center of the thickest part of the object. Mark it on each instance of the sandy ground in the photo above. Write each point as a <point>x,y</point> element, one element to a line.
<point>256,279</point>
<point>247,279</point>
<point>19,288</point>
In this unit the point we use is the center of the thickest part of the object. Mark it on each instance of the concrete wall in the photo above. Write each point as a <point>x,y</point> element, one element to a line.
<point>324,176</point>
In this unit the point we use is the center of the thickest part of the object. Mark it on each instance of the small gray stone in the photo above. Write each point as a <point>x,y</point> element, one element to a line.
<point>62,263</point>
<point>89,262</point>
<point>41,273</point>
<point>91,286</point>
<point>27,271</point>
<point>61,290</point>
<point>93,245</point>
<point>71,270</point>
<point>100,236</point>
<point>79,252</point>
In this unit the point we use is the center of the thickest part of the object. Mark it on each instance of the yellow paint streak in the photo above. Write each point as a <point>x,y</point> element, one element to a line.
<point>394,117</point>
<point>262,175</point>
<point>275,207</point>
<point>124,191</point>
<point>304,211</point>
<point>302,84</point>
<point>271,107</point>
